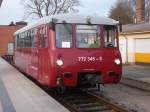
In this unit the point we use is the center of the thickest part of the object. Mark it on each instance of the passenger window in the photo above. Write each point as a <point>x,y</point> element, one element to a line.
<point>28,40</point>
<point>34,38</point>
<point>110,36</point>
<point>43,38</point>
<point>22,40</point>
<point>63,35</point>
<point>17,41</point>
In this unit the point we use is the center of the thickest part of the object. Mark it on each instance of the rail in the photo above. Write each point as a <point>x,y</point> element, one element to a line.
<point>82,101</point>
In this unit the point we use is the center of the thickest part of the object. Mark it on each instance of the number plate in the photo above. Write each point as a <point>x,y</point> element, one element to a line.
<point>89,59</point>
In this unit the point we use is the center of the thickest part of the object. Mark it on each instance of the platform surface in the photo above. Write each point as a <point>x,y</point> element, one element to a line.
<point>19,94</point>
<point>137,72</point>
<point>137,76</point>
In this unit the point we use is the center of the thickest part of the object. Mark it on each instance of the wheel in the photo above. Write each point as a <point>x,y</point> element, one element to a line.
<point>61,89</point>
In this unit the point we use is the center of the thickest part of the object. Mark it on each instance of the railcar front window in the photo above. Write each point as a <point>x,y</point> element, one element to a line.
<point>88,36</point>
<point>110,36</point>
<point>63,36</point>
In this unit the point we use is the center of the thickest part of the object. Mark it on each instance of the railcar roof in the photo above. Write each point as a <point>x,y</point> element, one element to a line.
<point>70,18</point>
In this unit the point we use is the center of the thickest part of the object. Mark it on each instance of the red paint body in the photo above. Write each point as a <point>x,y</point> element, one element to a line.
<point>40,63</point>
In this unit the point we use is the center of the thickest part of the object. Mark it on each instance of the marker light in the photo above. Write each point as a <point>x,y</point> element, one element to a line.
<point>117,61</point>
<point>88,19</point>
<point>59,62</point>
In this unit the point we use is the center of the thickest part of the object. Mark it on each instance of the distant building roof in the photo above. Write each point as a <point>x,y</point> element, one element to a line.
<point>140,27</point>
<point>21,23</point>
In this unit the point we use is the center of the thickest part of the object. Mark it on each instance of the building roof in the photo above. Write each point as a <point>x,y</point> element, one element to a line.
<point>140,27</point>
<point>70,18</point>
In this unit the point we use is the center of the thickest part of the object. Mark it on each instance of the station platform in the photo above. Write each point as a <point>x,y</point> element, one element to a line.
<point>137,76</point>
<point>19,94</point>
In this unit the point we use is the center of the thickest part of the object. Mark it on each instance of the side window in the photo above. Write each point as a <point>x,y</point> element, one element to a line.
<point>22,40</point>
<point>63,35</point>
<point>110,36</point>
<point>28,39</point>
<point>43,37</point>
<point>34,38</point>
<point>17,43</point>
<point>30,42</point>
<point>25,39</point>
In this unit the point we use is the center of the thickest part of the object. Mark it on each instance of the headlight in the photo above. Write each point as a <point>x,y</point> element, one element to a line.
<point>117,61</point>
<point>59,62</point>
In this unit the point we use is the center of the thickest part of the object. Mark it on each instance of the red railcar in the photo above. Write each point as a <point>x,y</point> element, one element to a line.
<point>69,50</point>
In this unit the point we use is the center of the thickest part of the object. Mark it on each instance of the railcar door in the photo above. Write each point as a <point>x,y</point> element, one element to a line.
<point>43,76</point>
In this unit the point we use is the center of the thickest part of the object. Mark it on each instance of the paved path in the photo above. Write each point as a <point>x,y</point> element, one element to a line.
<point>137,72</point>
<point>19,94</point>
<point>137,76</point>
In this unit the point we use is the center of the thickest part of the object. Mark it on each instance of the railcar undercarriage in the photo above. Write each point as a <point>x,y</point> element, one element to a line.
<point>89,79</point>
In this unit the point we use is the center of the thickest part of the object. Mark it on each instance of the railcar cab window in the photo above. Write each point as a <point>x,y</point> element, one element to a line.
<point>88,36</point>
<point>63,35</point>
<point>110,36</point>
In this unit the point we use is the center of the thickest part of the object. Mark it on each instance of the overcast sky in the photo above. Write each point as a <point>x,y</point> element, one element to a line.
<point>13,10</point>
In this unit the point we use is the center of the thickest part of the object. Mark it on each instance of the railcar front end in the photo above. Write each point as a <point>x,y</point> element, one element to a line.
<point>85,55</point>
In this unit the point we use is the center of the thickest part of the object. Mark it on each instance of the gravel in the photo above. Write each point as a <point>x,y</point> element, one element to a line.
<point>135,100</point>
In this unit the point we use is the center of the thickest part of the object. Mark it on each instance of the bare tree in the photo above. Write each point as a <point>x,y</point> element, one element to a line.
<point>0,2</point>
<point>41,8</point>
<point>123,11</point>
<point>147,10</point>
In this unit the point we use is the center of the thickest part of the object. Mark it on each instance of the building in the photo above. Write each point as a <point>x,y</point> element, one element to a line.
<point>135,43</point>
<point>135,38</point>
<point>6,37</point>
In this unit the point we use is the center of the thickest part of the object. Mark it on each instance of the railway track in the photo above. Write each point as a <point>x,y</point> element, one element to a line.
<point>82,101</point>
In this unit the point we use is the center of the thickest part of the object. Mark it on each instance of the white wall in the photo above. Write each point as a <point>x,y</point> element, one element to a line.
<point>134,43</point>
<point>10,48</point>
<point>142,45</point>
<point>131,50</point>
<point>122,44</point>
